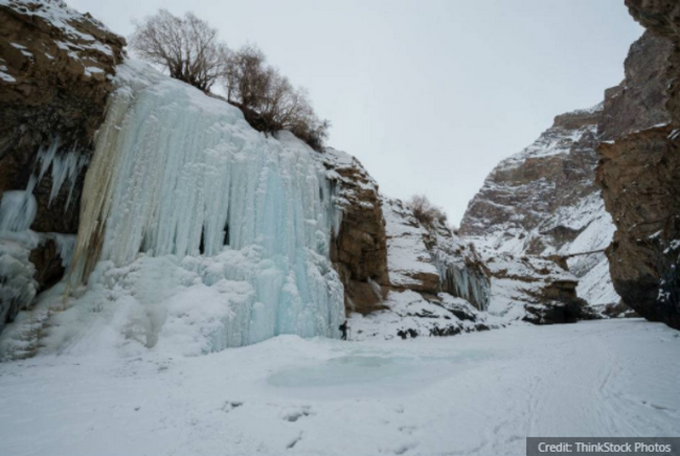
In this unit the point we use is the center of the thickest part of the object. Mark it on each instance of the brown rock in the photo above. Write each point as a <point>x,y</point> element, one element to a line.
<point>639,176</point>
<point>48,264</point>
<point>640,173</point>
<point>358,251</point>
<point>56,89</point>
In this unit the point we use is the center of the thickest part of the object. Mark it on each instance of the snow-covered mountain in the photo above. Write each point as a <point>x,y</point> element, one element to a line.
<point>545,201</point>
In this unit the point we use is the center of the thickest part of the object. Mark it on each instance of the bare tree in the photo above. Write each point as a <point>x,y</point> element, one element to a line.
<point>188,47</point>
<point>268,99</point>
<point>425,211</point>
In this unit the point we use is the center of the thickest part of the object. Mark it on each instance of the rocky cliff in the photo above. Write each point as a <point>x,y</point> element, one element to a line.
<point>639,172</point>
<point>545,201</point>
<point>359,250</point>
<point>437,285</point>
<point>55,65</point>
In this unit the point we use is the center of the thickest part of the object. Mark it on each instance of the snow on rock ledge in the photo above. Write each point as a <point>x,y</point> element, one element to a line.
<point>432,283</point>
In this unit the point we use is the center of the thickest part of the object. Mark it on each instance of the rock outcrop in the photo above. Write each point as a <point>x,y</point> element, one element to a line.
<point>437,286</point>
<point>431,259</point>
<point>533,288</point>
<point>639,170</point>
<point>359,250</point>
<point>55,66</point>
<point>545,200</point>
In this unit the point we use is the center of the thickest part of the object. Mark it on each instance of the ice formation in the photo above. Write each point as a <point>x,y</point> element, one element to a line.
<point>17,286</point>
<point>18,209</point>
<point>463,282</point>
<point>65,168</point>
<point>218,235</point>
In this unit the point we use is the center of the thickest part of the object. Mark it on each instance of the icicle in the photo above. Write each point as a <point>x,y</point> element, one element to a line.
<point>17,210</point>
<point>469,285</point>
<point>66,167</point>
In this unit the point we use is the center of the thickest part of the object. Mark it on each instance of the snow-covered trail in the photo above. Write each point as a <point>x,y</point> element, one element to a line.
<point>478,393</point>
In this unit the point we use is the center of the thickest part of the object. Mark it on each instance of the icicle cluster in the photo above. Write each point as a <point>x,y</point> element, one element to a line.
<point>180,175</point>
<point>18,209</point>
<point>463,282</point>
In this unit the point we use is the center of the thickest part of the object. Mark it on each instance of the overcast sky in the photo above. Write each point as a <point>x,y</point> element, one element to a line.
<point>430,95</point>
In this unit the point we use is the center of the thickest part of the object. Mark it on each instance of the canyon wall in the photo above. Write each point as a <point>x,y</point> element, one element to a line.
<point>546,201</point>
<point>639,174</point>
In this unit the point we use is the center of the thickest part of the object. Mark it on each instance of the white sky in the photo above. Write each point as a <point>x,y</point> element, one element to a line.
<point>429,94</point>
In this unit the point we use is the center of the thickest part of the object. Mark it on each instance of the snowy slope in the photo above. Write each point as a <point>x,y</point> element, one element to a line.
<point>196,231</point>
<point>408,259</point>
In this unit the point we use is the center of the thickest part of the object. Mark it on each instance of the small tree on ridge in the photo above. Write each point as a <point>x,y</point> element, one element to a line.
<point>188,47</point>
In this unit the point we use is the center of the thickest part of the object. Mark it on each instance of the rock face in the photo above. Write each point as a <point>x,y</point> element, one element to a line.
<point>431,259</point>
<point>359,250</point>
<point>54,69</point>
<point>545,201</point>
<point>639,175</point>
<point>534,289</point>
<point>437,285</point>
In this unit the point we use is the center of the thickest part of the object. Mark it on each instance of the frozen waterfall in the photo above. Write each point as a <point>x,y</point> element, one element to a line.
<point>198,231</point>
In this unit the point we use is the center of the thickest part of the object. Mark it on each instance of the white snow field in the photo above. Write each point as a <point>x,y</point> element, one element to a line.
<point>478,393</point>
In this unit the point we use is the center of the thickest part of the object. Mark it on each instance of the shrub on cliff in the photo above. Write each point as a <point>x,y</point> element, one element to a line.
<point>268,99</point>
<point>425,211</point>
<point>189,48</point>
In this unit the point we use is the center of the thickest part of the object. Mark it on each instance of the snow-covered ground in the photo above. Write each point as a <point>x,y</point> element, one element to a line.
<point>479,393</point>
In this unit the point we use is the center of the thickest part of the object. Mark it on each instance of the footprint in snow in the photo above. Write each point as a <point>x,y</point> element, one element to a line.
<point>295,415</point>
<point>231,405</point>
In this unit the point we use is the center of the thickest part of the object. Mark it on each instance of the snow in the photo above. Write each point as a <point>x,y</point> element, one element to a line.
<point>475,394</point>
<point>407,314</point>
<point>58,14</point>
<point>517,280</point>
<point>555,141</point>
<point>4,76</point>
<point>78,45</point>
<point>595,230</point>
<point>407,256</point>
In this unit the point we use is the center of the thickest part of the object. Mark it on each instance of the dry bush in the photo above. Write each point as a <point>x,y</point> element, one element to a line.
<point>425,211</point>
<point>268,99</point>
<point>188,47</point>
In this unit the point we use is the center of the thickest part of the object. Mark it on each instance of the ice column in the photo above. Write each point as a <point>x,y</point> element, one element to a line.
<point>178,173</point>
